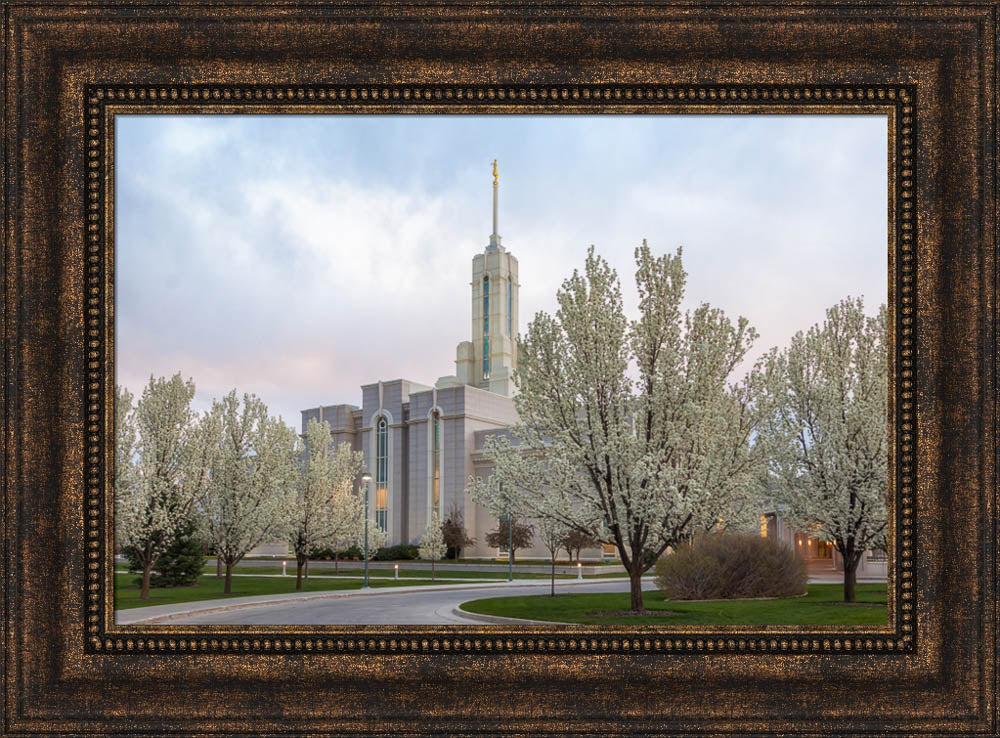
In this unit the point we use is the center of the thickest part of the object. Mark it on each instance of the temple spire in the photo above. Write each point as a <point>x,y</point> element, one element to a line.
<point>495,236</point>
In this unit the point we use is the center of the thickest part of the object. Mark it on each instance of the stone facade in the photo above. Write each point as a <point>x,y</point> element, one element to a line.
<point>419,440</point>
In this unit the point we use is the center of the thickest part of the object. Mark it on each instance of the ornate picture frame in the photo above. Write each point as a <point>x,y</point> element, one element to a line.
<point>69,69</point>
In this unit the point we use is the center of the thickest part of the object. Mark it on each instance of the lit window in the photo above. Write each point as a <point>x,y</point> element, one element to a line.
<point>436,457</point>
<point>382,474</point>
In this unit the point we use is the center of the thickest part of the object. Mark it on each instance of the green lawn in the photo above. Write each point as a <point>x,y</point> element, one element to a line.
<point>534,562</point>
<point>403,573</point>
<point>210,588</point>
<point>823,605</point>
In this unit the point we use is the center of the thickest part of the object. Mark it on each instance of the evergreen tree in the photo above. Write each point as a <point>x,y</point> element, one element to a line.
<point>180,565</point>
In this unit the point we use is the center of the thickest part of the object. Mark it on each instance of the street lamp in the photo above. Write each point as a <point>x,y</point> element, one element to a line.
<point>365,479</point>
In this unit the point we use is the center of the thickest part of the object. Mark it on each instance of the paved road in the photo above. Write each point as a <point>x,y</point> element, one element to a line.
<point>382,607</point>
<point>408,605</point>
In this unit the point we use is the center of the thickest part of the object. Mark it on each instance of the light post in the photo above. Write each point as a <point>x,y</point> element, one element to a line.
<point>365,479</point>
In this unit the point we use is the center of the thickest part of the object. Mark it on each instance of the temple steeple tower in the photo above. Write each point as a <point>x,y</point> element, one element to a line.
<point>489,359</point>
<point>495,236</point>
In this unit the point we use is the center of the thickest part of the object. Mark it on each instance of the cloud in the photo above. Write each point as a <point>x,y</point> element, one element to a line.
<point>298,258</point>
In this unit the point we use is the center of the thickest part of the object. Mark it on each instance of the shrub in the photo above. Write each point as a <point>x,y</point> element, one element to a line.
<point>727,566</point>
<point>395,553</point>
<point>329,554</point>
<point>389,553</point>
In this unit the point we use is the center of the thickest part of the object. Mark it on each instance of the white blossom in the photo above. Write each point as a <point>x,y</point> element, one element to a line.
<point>377,538</point>
<point>631,432</point>
<point>432,545</point>
<point>325,509</point>
<point>163,452</point>
<point>552,532</point>
<point>253,480</point>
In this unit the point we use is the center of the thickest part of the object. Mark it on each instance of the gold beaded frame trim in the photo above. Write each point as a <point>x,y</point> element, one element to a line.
<point>103,102</point>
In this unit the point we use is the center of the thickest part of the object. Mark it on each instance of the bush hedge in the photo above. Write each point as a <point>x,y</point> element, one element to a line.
<point>395,553</point>
<point>390,553</point>
<point>729,566</point>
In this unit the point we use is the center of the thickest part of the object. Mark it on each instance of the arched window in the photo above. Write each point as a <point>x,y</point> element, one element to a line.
<point>486,327</point>
<point>436,459</point>
<point>382,473</point>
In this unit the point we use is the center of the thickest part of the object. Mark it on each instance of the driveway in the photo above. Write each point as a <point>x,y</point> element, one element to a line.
<point>417,606</point>
<point>414,605</point>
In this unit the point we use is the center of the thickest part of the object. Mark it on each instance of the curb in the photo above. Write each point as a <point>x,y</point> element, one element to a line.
<point>498,620</point>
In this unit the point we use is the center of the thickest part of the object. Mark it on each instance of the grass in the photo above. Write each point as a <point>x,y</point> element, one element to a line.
<point>533,562</point>
<point>403,573</point>
<point>211,588</point>
<point>823,605</point>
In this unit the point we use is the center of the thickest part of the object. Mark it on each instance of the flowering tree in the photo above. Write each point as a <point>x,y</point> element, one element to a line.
<point>163,453</point>
<point>377,538</point>
<point>324,507</point>
<point>829,431</point>
<point>432,545</point>
<point>125,453</point>
<point>552,532</point>
<point>632,432</point>
<point>253,480</point>
<point>345,512</point>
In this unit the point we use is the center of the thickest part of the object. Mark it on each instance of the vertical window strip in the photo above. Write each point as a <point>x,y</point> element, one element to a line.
<point>508,307</point>
<point>486,327</point>
<point>437,459</point>
<point>382,475</point>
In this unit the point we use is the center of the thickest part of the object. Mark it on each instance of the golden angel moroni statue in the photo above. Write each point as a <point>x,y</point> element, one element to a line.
<point>496,178</point>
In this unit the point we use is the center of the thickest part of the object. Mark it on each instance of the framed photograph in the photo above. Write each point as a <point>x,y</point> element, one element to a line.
<point>467,369</point>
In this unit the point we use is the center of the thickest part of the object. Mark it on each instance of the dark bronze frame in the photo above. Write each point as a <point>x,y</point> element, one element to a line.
<point>68,69</point>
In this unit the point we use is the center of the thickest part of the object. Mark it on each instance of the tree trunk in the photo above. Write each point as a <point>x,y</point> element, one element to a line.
<point>552,592</point>
<point>306,572</point>
<point>850,579</point>
<point>432,569</point>
<point>229,579</point>
<point>298,570</point>
<point>635,585</point>
<point>147,568</point>
<point>218,566</point>
<point>850,569</point>
<point>336,562</point>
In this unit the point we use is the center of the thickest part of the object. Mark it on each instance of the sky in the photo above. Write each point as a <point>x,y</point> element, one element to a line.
<point>299,257</point>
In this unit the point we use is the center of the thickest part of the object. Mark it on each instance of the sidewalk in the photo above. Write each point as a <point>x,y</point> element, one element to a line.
<point>589,569</point>
<point>382,578</point>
